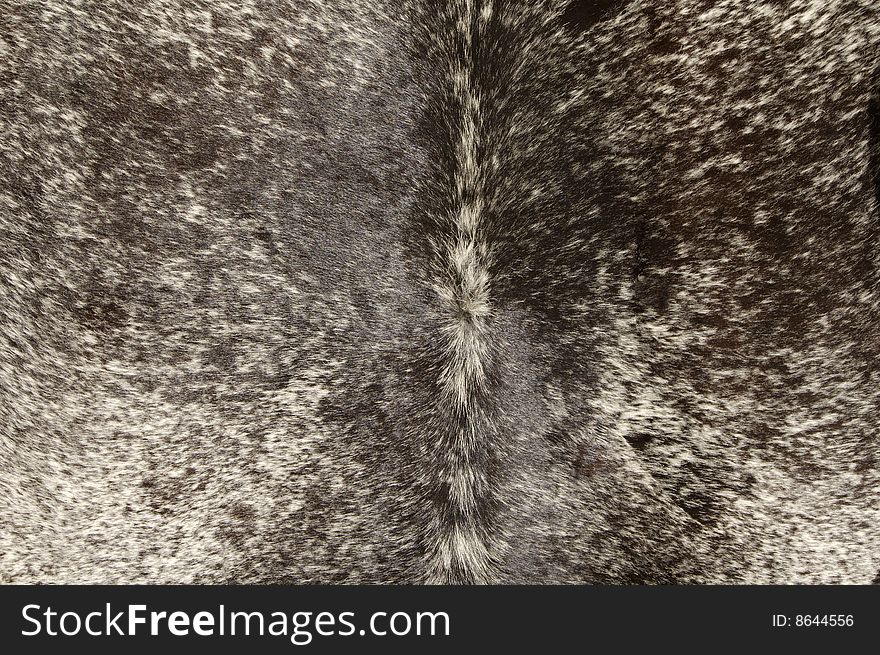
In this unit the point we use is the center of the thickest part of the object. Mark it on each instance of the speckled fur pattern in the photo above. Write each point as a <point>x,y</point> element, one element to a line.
<point>466,291</point>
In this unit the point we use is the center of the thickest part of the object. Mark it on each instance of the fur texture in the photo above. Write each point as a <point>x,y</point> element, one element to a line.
<point>468,291</point>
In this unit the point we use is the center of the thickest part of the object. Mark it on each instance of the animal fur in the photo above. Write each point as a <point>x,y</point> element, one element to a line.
<point>468,291</point>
